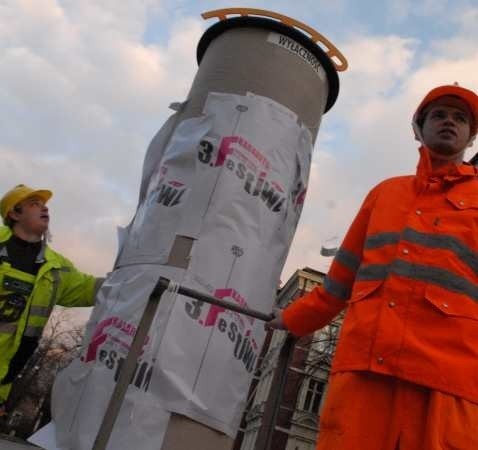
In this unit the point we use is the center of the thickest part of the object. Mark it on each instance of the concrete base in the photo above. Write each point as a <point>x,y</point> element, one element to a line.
<point>183,433</point>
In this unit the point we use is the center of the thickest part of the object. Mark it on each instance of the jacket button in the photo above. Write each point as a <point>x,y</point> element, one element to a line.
<point>445,305</point>
<point>392,304</point>
<point>380,360</point>
<point>461,202</point>
<point>405,251</point>
<point>418,212</point>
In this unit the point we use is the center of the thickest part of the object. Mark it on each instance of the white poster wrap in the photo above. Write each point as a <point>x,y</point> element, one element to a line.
<point>248,190</point>
<point>233,181</point>
<point>154,227</point>
<point>82,391</point>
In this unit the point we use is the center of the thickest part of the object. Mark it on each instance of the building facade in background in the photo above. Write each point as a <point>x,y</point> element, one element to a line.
<point>305,384</point>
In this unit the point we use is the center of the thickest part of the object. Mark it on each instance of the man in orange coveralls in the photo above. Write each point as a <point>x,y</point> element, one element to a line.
<point>405,374</point>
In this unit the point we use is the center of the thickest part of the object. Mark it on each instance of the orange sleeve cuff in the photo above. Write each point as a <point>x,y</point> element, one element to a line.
<point>311,312</point>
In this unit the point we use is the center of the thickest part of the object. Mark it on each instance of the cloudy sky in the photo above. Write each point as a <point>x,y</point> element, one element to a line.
<point>85,84</point>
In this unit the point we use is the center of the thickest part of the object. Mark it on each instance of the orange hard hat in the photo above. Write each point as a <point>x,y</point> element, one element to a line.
<point>454,90</point>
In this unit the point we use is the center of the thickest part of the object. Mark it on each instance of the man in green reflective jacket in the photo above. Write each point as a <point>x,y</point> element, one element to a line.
<point>33,279</point>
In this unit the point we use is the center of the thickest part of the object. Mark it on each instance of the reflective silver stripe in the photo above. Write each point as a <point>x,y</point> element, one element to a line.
<point>348,259</point>
<point>10,328</point>
<point>41,254</point>
<point>56,281</point>
<point>339,290</point>
<point>65,269</point>
<point>32,331</point>
<point>444,242</point>
<point>381,239</point>
<point>438,241</point>
<point>41,311</point>
<point>372,272</point>
<point>434,275</point>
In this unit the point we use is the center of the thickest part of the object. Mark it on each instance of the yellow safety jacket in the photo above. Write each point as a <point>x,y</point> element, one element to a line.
<point>57,282</point>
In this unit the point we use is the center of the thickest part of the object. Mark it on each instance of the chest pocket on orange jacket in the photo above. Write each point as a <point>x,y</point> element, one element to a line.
<point>467,204</point>
<point>461,219</point>
<point>452,304</point>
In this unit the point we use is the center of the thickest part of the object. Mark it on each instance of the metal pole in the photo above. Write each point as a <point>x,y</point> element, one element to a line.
<point>127,371</point>
<point>129,366</point>
<point>216,301</point>
<point>271,410</point>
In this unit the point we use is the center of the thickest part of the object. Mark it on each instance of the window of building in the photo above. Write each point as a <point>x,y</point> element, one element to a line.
<point>326,339</point>
<point>313,395</point>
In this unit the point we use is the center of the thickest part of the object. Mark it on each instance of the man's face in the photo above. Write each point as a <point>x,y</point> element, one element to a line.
<point>32,216</point>
<point>446,129</point>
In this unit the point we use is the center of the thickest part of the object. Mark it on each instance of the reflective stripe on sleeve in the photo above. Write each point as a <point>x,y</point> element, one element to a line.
<point>348,259</point>
<point>339,290</point>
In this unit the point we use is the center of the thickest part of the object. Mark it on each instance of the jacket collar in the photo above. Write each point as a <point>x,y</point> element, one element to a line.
<point>450,172</point>
<point>45,255</point>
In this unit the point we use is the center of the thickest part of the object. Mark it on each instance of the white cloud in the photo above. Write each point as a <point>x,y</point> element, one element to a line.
<point>399,10</point>
<point>378,97</point>
<point>81,96</point>
<point>330,206</point>
<point>376,65</point>
<point>84,209</point>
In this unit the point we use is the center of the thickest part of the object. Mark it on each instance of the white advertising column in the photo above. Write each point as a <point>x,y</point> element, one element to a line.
<point>223,186</point>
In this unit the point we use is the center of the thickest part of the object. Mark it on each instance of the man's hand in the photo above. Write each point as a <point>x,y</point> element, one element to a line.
<point>276,323</point>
